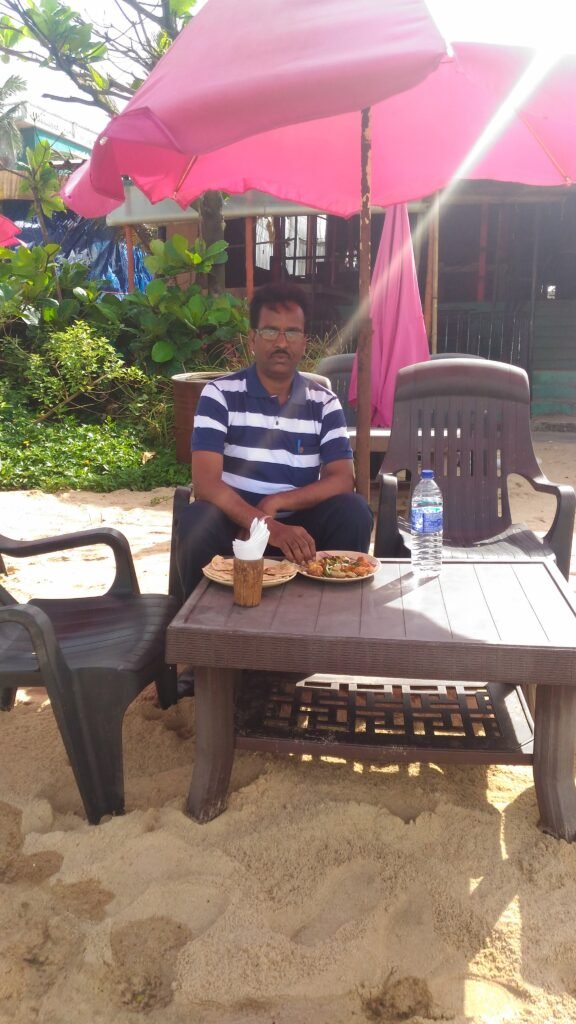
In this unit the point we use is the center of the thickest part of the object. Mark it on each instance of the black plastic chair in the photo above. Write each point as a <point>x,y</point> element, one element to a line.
<point>469,421</point>
<point>339,369</point>
<point>93,655</point>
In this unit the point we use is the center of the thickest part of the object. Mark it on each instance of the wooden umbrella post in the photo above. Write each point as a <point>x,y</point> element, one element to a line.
<point>364,389</point>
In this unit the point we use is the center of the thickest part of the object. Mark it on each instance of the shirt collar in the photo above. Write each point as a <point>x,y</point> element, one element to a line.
<point>255,387</point>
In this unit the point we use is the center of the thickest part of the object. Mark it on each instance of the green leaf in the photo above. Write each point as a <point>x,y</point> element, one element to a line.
<point>195,308</point>
<point>97,78</point>
<point>180,7</point>
<point>156,291</point>
<point>178,243</point>
<point>162,351</point>
<point>216,247</point>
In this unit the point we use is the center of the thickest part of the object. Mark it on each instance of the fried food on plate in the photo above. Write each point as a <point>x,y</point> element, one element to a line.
<point>340,567</point>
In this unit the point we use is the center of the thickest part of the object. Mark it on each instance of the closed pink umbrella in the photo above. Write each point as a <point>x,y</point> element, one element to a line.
<point>8,232</point>
<point>398,331</point>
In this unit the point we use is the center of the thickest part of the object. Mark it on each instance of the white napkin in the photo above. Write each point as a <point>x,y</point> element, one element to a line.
<point>255,546</point>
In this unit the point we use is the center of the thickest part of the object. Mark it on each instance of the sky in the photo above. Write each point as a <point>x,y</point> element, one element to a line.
<point>515,22</point>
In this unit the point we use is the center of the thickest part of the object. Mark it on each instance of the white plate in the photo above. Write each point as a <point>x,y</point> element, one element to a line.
<point>349,579</point>
<point>226,579</point>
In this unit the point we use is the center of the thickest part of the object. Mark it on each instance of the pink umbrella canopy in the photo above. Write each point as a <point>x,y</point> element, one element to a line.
<point>238,70</point>
<point>421,139</point>
<point>8,232</point>
<point>398,332</point>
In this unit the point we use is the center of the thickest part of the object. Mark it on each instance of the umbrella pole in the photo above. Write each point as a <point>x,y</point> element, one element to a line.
<point>364,404</point>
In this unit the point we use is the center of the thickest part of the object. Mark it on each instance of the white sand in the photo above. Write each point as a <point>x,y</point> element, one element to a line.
<point>327,893</point>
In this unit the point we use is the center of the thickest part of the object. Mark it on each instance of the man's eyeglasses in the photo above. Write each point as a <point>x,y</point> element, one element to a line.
<point>293,334</point>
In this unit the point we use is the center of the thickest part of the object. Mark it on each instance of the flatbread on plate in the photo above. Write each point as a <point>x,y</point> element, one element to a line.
<point>223,568</point>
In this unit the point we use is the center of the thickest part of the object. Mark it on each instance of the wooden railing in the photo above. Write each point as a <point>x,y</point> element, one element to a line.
<point>503,335</point>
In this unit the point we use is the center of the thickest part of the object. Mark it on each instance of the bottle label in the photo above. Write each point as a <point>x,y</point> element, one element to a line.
<point>426,520</point>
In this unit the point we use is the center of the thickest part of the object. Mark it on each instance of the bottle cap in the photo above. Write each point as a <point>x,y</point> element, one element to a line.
<point>427,474</point>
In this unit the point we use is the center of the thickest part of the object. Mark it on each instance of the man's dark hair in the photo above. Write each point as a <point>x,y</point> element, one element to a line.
<point>270,296</point>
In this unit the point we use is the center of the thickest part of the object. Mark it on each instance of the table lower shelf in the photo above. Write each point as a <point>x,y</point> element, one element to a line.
<point>384,720</point>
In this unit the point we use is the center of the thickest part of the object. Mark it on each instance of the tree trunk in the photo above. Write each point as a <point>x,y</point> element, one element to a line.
<point>212,227</point>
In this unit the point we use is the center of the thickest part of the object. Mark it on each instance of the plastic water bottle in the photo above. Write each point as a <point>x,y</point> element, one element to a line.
<point>426,520</point>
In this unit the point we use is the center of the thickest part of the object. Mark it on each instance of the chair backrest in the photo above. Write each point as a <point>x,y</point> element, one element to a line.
<point>469,421</point>
<point>319,378</point>
<point>339,370</point>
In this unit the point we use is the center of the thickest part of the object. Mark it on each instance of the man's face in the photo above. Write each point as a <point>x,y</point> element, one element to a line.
<point>277,357</point>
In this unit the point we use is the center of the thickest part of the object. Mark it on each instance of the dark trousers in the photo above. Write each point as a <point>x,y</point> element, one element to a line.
<point>341,523</point>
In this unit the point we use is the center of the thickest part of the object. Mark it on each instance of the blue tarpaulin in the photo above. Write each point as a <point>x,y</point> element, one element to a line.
<point>93,243</point>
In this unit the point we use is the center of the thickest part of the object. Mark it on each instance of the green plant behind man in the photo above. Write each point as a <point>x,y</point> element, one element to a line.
<point>172,327</point>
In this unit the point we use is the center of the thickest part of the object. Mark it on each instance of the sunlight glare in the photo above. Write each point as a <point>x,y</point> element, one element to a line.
<point>514,23</point>
<point>523,89</point>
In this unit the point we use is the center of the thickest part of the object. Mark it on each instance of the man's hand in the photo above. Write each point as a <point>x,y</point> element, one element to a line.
<point>294,542</point>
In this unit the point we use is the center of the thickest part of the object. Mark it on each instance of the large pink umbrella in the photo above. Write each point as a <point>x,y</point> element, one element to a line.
<point>420,141</point>
<point>240,69</point>
<point>398,332</point>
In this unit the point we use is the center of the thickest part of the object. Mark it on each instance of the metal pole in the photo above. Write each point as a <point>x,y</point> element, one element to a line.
<point>364,412</point>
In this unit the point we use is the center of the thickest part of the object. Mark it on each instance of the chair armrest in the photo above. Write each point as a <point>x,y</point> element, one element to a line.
<point>182,496</point>
<point>561,533</point>
<point>125,579</point>
<point>387,539</point>
<point>51,662</point>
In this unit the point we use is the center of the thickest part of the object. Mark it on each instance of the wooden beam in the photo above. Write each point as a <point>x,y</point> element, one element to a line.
<point>130,254</point>
<point>481,279</point>
<point>435,273</point>
<point>249,255</point>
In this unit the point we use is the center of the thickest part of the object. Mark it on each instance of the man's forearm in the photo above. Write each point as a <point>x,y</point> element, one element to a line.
<point>308,496</point>
<point>228,501</point>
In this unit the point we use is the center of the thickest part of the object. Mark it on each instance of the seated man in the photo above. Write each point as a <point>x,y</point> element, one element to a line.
<point>269,443</point>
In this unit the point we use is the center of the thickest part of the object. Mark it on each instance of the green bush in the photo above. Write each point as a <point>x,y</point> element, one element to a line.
<point>73,416</point>
<point>166,329</point>
<point>68,455</point>
<point>37,291</point>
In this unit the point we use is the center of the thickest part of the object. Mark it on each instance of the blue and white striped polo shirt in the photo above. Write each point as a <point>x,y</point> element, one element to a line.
<point>268,447</point>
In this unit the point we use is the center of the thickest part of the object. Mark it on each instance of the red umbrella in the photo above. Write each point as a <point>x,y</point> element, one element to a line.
<point>8,232</point>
